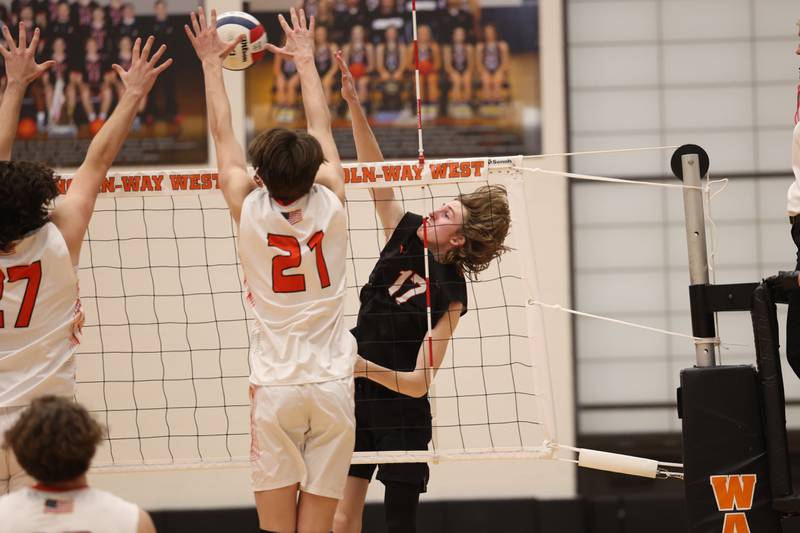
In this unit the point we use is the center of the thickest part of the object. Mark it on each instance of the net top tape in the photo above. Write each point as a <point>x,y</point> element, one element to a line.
<point>356,176</point>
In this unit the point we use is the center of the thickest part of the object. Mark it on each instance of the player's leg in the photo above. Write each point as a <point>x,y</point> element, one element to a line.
<point>350,510</point>
<point>291,90</point>
<point>328,450</point>
<point>400,503</point>
<point>277,509</point>
<point>315,513</point>
<point>277,424</point>
<point>404,482</point>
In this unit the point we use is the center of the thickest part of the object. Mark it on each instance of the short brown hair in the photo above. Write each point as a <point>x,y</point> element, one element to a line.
<point>286,161</point>
<point>54,439</point>
<point>485,228</point>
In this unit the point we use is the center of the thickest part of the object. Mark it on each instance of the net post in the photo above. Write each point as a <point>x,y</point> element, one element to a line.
<point>690,163</point>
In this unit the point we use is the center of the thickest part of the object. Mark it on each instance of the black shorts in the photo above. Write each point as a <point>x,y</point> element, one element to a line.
<point>375,431</point>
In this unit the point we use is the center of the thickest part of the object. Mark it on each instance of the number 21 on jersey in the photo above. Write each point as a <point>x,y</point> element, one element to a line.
<point>282,282</point>
<point>33,274</point>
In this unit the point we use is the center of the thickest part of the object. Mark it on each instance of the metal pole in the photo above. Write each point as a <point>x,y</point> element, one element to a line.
<point>702,321</point>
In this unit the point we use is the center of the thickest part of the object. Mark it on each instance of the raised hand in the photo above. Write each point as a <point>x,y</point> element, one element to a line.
<point>20,60</point>
<point>349,92</point>
<point>299,37</point>
<point>205,39</point>
<point>142,74</point>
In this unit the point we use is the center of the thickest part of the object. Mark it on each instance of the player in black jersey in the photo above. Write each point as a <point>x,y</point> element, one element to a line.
<point>493,62</point>
<point>323,59</point>
<point>458,63</point>
<point>392,409</point>
<point>391,66</point>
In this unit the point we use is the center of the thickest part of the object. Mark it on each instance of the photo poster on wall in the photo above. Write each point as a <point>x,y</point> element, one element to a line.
<point>479,74</point>
<point>67,106</point>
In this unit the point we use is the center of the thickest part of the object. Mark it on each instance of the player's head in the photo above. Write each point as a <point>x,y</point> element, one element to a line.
<point>161,9</point>
<point>128,11</point>
<point>63,12</point>
<point>286,161</point>
<point>388,6</point>
<point>26,193</point>
<point>391,34</point>
<point>91,46</point>
<point>490,33</point>
<point>125,45</point>
<point>424,33</point>
<point>26,14</point>
<point>59,45</point>
<point>357,34</point>
<point>99,16</point>
<point>469,231</point>
<point>54,439</point>
<point>454,4</point>
<point>459,35</point>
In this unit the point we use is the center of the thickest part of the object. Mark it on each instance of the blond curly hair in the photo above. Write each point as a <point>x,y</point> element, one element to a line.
<point>487,220</point>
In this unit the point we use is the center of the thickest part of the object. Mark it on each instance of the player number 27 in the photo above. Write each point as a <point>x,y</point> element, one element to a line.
<point>295,282</point>
<point>33,273</point>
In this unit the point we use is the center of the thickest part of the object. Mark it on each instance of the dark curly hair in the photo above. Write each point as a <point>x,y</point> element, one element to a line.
<point>26,192</point>
<point>54,439</point>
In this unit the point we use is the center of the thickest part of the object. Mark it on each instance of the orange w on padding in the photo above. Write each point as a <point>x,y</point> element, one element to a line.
<point>734,492</point>
<point>735,523</point>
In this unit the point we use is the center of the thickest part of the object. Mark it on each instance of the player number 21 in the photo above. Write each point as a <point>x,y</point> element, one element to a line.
<point>33,273</point>
<point>295,282</point>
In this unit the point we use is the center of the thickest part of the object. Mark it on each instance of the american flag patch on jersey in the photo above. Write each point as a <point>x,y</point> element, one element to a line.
<point>58,506</point>
<point>293,216</point>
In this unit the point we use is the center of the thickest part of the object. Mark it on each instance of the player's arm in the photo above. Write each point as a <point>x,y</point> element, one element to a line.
<point>234,180</point>
<point>416,382</point>
<point>389,209</point>
<point>21,70</point>
<point>73,213</point>
<point>145,523</point>
<point>300,47</point>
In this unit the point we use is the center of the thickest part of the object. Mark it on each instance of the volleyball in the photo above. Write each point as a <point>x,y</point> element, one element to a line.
<point>230,25</point>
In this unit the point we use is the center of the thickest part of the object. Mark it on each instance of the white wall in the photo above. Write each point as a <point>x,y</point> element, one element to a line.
<point>548,203</point>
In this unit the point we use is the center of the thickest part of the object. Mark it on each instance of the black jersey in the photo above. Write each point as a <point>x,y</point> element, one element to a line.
<point>391,57</point>
<point>323,59</point>
<point>392,320</point>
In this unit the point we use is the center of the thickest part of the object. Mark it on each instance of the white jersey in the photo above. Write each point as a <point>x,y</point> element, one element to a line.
<point>38,298</point>
<point>86,510</point>
<point>793,196</point>
<point>293,258</point>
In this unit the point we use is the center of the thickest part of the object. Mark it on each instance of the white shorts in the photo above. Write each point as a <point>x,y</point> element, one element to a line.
<point>12,476</point>
<point>302,434</point>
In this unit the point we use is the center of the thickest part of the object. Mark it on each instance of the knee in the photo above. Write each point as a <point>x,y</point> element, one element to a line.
<point>346,523</point>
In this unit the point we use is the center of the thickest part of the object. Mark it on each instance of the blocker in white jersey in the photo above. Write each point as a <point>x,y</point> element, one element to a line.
<point>87,509</point>
<point>38,302</point>
<point>292,241</point>
<point>293,257</point>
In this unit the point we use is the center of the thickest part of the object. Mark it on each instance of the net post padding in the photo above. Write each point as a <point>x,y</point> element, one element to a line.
<point>162,246</point>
